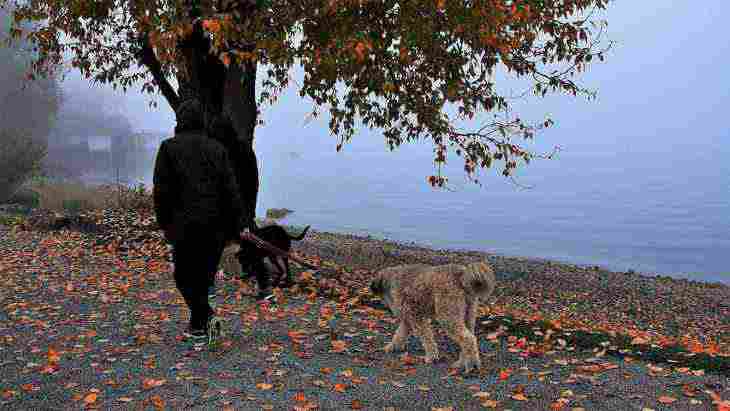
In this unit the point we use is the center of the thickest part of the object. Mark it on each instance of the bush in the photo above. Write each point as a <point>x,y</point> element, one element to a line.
<point>20,156</point>
<point>25,197</point>
<point>73,198</point>
<point>69,197</point>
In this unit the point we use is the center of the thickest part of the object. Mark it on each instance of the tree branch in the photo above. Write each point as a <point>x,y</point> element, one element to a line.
<point>147,57</point>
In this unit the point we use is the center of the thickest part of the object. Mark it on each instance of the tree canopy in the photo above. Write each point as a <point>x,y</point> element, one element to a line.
<point>396,65</point>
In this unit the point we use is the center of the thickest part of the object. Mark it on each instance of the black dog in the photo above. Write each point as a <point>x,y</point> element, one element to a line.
<point>254,259</point>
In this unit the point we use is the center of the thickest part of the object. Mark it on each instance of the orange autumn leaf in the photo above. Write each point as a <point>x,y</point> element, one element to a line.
<point>149,383</point>
<point>559,404</point>
<point>90,398</point>
<point>53,356</point>
<point>300,397</point>
<point>519,397</point>
<point>665,399</point>
<point>356,405</point>
<point>340,387</point>
<point>504,374</point>
<point>211,25</point>
<point>158,402</point>
<point>264,386</point>
<point>296,335</point>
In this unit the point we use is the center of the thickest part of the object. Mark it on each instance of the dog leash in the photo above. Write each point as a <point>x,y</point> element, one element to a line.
<point>250,237</point>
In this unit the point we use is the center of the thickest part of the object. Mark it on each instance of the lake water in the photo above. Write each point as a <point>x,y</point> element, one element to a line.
<point>665,211</point>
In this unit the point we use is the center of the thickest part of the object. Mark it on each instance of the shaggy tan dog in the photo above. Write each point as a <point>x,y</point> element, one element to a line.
<point>419,293</point>
<point>229,263</point>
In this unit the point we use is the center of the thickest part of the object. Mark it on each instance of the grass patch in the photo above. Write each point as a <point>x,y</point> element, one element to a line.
<point>26,197</point>
<point>618,346</point>
<point>11,220</point>
<point>70,197</point>
<point>64,197</point>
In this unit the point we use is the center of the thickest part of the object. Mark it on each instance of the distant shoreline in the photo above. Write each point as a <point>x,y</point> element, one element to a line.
<point>385,242</point>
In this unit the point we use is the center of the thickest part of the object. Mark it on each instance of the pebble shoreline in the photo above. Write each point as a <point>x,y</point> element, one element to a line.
<point>584,295</point>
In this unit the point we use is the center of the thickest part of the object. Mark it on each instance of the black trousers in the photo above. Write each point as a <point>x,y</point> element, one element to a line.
<point>196,259</point>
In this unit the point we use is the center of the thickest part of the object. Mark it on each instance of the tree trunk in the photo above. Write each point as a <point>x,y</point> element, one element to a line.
<point>228,92</point>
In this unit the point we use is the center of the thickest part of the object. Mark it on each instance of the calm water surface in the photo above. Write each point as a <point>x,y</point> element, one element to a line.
<point>666,214</point>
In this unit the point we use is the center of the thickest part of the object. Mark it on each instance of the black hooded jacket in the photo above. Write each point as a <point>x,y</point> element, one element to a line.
<point>195,187</point>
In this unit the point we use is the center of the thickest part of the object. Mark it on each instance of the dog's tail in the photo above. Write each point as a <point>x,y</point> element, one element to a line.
<point>478,279</point>
<point>300,236</point>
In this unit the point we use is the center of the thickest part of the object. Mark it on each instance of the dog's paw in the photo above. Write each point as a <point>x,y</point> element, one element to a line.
<point>431,358</point>
<point>467,364</point>
<point>390,347</point>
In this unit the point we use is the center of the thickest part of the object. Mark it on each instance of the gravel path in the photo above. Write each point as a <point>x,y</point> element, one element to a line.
<point>100,329</point>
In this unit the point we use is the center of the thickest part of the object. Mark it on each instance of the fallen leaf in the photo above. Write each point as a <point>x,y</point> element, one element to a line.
<point>340,387</point>
<point>158,402</point>
<point>665,399</point>
<point>519,397</point>
<point>90,398</point>
<point>490,403</point>
<point>53,356</point>
<point>504,374</point>
<point>149,383</point>
<point>264,386</point>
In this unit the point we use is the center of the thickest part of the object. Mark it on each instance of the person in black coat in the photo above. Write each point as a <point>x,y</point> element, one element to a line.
<point>246,170</point>
<point>198,207</point>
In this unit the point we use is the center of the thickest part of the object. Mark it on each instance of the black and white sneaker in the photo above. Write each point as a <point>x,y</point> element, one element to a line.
<point>215,330</point>
<point>266,296</point>
<point>197,336</point>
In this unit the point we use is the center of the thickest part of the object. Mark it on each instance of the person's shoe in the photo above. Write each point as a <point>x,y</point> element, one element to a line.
<point>215,330</point>
<point>196,335</point>
<point>266,295</point>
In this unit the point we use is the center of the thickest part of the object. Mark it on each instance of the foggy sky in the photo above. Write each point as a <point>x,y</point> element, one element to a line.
<point>667,77</point>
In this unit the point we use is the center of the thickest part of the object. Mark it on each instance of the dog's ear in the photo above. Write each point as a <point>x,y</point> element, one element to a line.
<point>378,286</point>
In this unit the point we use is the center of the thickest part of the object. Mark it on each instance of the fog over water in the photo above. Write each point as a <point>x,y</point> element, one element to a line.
<point>642,181</point>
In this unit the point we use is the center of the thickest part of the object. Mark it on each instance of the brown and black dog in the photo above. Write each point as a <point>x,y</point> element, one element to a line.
<point>253,259</point>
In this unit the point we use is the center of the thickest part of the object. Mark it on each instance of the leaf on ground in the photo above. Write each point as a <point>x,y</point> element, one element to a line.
<point>90,398</point>
<point>340,387</point>
<point>264,386</point>
<point>504,374</point>
<point>665,399</point>
<point>158,402</point>
<point>149,383</point>
<point>519,397</point>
